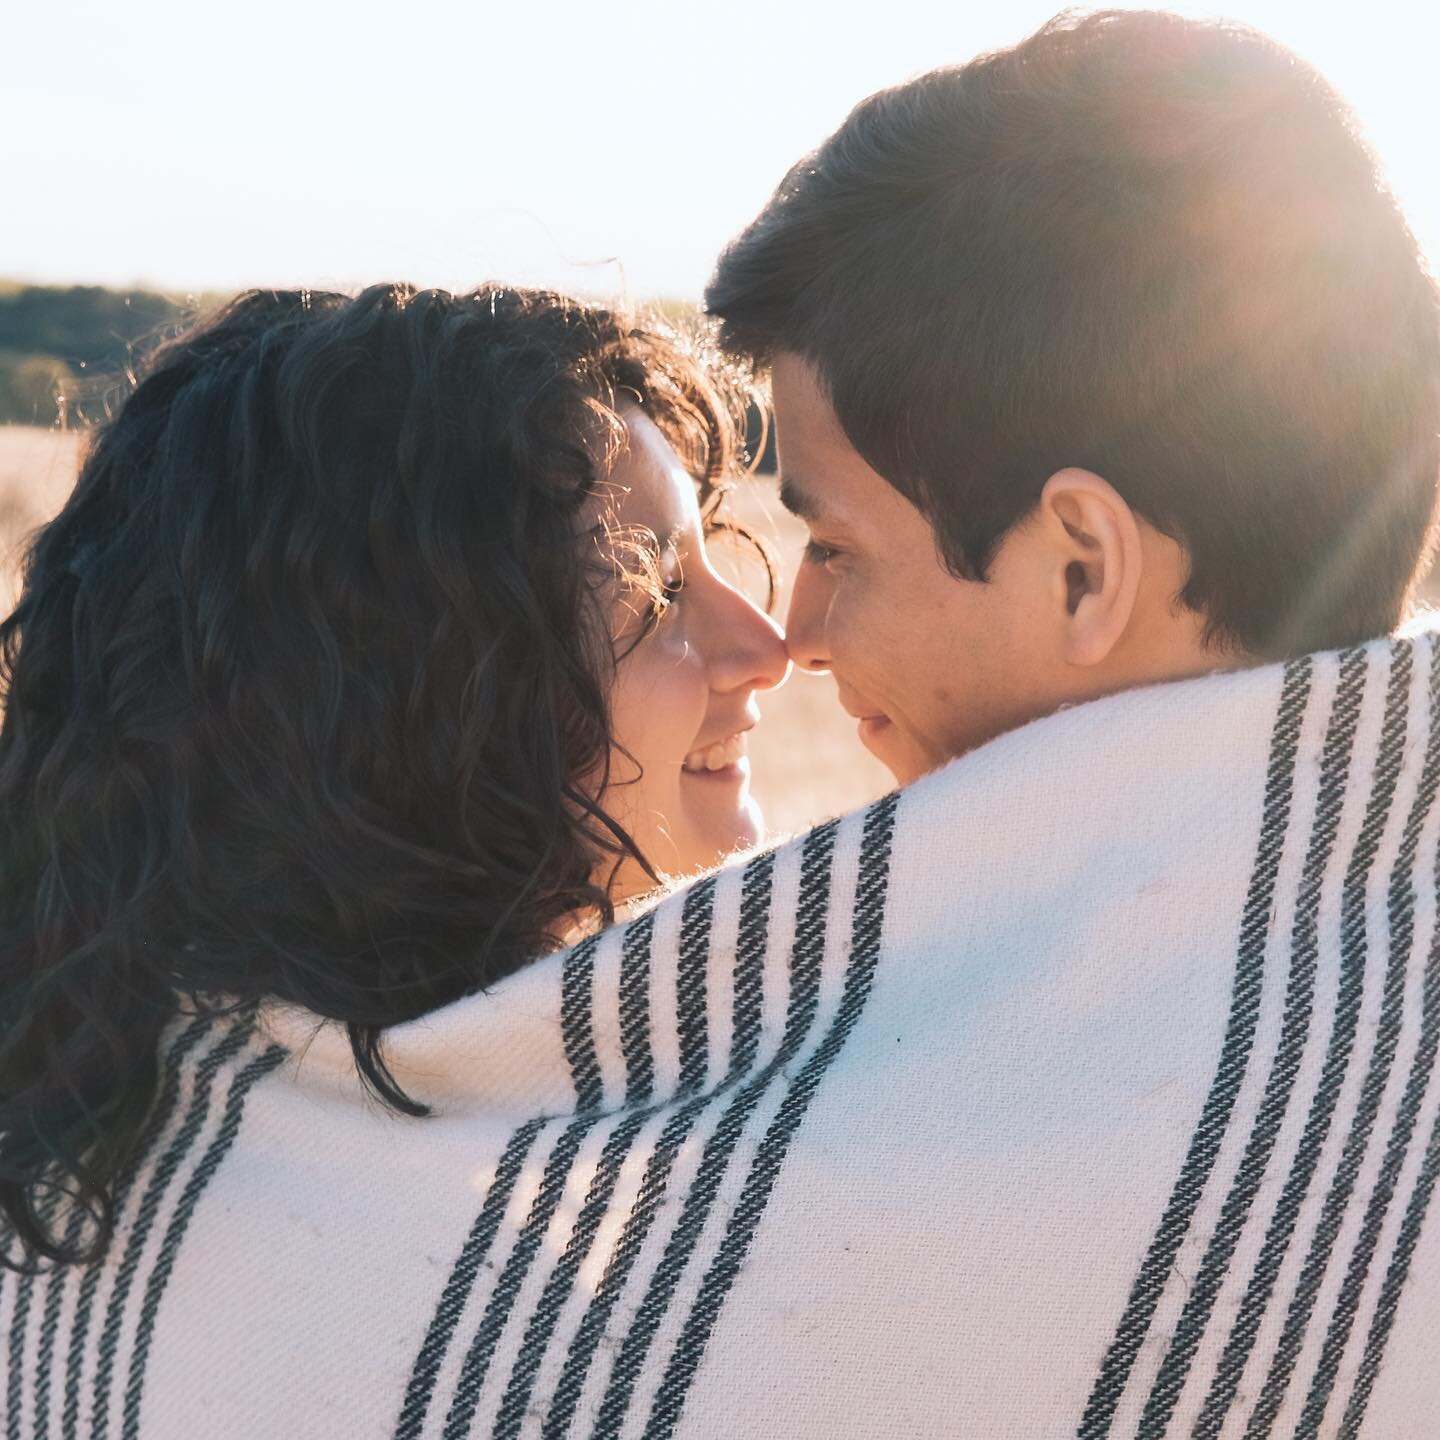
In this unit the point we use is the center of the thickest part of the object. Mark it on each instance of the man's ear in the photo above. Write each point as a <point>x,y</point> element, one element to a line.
<point>1095,559</point>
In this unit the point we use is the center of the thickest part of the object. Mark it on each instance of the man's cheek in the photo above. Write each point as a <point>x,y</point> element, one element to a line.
<point>872,637</point>
<point>847,657</point>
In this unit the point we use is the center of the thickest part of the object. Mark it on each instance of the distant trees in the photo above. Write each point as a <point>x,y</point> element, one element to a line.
<point>62,347</point>
<point>86,326</point>
<point>34,389</point>
<point>64,350</point>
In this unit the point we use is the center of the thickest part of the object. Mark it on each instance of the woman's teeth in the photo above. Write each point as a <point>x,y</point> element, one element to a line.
<point>717,756</point>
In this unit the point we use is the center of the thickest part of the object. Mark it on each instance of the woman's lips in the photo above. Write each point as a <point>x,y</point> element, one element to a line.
<point>725,775</point>
<point>725,760</point>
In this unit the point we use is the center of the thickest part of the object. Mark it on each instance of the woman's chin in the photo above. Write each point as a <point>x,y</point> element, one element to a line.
<point>751,830</point>
<point>717,828</point>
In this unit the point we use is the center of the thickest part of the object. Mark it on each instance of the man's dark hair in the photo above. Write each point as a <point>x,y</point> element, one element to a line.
<point>1147,246</point>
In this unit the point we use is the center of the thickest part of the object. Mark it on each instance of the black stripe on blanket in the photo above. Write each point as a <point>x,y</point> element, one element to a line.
<point>806,957</point>
<point>576,1026</point>
<point>1407,1114</point>
<point>578,1031</point>
<point>561,1281</point>
<point>476,1365</point>
<point>1156,1268</point>
<point>1299,1007</point>
<point>19,1325</point>
<point>1401,914</point>
<point>635,1010</point>
<point>756,890</point>
<point>1353,954</point>
<point>462,1277</point>
<point>691,996</point>
<point>45,1357</point>
<point>750,945</point>
<point>272,1057</point>
<point>202,1027</point>
<point>868,918</point>
<point>635,1044</point>
<point>7,1237</point>
<point>1398,1270</point>
<point>807,960</point>
<point>165,1170</point>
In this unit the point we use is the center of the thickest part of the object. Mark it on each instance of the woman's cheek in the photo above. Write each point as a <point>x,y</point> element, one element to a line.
<point>660,709</point>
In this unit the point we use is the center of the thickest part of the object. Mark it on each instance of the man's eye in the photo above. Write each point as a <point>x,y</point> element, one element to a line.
<point>818,554</point>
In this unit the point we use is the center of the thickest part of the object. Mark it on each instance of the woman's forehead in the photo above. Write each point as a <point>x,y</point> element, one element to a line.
<point>647,485</point>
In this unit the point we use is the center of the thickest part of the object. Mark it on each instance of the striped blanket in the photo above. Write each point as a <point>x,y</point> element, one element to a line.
<point>1085,1088</point>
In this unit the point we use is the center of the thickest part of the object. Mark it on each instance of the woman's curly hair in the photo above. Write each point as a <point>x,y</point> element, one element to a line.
<point>301,688</point>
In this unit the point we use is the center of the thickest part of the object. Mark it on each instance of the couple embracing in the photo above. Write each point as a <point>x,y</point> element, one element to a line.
<point>409,1031</point>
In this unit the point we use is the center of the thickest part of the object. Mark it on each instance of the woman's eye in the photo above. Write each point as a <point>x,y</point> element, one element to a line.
<point>818,554</point>
<point>671,586</point>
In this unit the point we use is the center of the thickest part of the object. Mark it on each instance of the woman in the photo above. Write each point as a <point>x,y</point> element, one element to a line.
<point>375,653</point>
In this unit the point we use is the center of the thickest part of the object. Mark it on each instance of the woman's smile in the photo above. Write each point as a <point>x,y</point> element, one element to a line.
<point>724,760</point>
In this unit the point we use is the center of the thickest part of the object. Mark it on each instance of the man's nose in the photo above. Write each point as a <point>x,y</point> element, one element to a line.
<point>805,624</point>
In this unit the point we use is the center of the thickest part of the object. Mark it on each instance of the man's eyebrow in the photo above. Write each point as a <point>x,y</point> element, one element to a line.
<point>800,503</point>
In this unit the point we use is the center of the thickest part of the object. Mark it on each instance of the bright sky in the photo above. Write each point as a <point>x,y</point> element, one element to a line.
<point>610,148</point>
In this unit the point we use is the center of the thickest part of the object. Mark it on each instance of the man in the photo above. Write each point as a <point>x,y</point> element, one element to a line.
<point>1100,361</point>
<point>1104,361</point>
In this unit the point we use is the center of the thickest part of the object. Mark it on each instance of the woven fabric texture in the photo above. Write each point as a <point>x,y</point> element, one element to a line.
<point>1085,1088</point>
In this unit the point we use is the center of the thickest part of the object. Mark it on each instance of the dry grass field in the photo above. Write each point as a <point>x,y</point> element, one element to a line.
<point>37,468</point>
<point>807,762</point>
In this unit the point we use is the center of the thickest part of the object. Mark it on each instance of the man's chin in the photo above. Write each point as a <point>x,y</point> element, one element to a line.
<point>883,739</point>
<point>906,774</point>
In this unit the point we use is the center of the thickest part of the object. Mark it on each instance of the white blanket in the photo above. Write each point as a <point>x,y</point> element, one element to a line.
<point>1086,1087</point>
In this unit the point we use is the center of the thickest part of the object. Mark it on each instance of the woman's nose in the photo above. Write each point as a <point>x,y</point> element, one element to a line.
<point>749,650</point>
<point>805,624</point>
